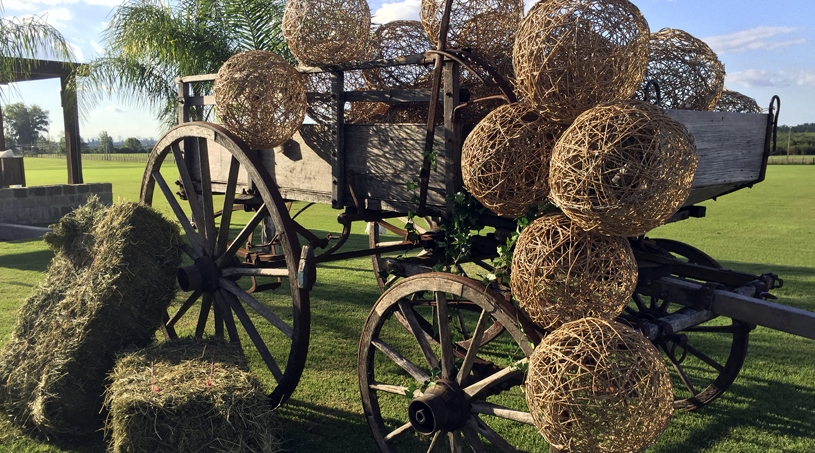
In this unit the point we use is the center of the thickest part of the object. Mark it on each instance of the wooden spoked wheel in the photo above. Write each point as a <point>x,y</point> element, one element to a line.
<point>706,358</point>
<point>210,166</point>
<point>423,391</point>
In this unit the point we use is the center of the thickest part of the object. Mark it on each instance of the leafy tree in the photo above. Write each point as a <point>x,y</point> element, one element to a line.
<point>151,42</point>
<point>24,124</point>
<point>26,38</point>
<point>105,143</point>
<point>131,145</point>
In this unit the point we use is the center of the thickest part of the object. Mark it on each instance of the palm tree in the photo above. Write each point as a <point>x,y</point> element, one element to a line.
<point>150,42</point>
<point>21,41</point>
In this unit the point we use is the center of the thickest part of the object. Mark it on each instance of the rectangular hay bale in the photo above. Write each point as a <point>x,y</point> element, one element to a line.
<point>108,286</point>
<point>188,395</point>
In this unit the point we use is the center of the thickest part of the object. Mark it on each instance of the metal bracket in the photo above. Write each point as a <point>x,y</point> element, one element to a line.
<point>706,295</point>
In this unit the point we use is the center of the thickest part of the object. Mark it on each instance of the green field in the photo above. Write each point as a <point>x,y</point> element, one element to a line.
<point>770,407</point>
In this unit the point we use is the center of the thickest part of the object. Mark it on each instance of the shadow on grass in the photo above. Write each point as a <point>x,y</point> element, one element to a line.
<point>770,410</point>
<point>308,427</point>
<point>29,261</point>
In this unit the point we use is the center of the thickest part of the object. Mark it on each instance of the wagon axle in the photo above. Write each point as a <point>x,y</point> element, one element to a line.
<point>443,407</point>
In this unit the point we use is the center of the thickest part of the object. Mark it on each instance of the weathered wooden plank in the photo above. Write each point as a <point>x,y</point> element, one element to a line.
<point>730,148</point>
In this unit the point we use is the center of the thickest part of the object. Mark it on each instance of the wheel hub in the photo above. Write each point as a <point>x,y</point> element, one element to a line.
<point>443,406</point>
<point>202,275</point>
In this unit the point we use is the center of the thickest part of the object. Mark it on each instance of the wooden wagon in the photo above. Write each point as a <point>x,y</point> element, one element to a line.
<point>251,264</point>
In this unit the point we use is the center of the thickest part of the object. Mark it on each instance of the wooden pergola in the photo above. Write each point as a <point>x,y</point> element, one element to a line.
<point>27,70</point>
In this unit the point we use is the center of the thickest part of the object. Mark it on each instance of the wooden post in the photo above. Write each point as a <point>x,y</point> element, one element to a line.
<point>338,176</point>
<point>2,131</point>
<point>452,133</point>
<point>70,115</point>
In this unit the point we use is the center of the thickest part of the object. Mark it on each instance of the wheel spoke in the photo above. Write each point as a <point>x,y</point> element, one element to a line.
<point>475,344</point>
<point>183,309</point>
<point>218,317</point>
<point>229,201</point>
<point>257,340</point>
<point>192,235</point>
<point>483,407</point>
<point>398,431</point>
<point>187,185</point>
<point>495,378</point>
<point>403,362</point>
<point>167,330</point>
<point>206,196</point>
<point>393,389</point>
<point>448,361</point>
<point>241,237</point>
<point>436,442</point>
<point>472,438</point>
<point>415,329</point>
<point>206,306</point>
<point>684,378</point>
<point>704,357</point>
<point>638,301</point>
<point>267,314</point>
<point>456,445</point>
<point>226,315</point>
<point>494,438</point>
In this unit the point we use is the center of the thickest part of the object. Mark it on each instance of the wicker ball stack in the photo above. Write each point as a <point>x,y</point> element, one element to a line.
<point>326,32</point>
<point>598,386</point>
<point>688,72</point>
<point>397,39</point>
<point>638,172</point>
<point>571,55</point>
<point>561,273</point>
<point>505,159</point>
<point>260,98</point>
<point>733,101</point>
<point>490,17</point>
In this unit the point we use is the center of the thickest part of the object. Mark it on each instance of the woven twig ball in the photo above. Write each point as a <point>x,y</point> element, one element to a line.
<point>561,273</point>
<point>506,15</point>
<point>398,39</point>
<point>598,386</point>
<point>733,101</point>
<point>260,97</point>
<point>688,72</point>
<point>571,55</point>
<point>490,36</point>
<point>622,168</point>
<point>505,159</point>
<point>325,32</point>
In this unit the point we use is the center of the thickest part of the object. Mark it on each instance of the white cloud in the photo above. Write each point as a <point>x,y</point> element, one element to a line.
<point>764,78</point>
<point>34,5</point>
<point>77,51</point>
<point>57,17</point>
<point>110,3</point>
<point>97,48</point>
<point>404,10</point>
<point>115,109</point>
<point>758,38</point>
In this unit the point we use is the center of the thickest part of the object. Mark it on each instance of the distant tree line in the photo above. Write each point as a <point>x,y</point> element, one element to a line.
<point>800,140</point>
<point>26,130</point>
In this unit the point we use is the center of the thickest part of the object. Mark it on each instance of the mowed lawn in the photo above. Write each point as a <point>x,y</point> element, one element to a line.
<point>770,407</point>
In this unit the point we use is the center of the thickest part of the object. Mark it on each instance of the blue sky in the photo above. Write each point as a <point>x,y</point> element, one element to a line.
<point>767,48</point>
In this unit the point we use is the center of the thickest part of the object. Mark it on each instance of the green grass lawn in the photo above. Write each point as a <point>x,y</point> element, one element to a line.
<point>770,407</point>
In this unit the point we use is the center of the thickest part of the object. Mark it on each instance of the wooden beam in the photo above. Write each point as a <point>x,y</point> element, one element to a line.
<point>70,116</point>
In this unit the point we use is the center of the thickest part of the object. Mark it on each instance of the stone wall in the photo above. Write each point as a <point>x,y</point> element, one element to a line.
<point>44,205</point>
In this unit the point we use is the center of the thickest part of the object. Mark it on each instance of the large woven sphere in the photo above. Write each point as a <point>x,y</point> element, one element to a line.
<point>623,168</point>
<point>505,17</point>
<point>561,273</point>
<point>733,101</point>
<point>571,55</point>
<point>597,386</point>
<point>398,39</point>
<point>489,36</point>
<point>325,32</point>
<point>505,159</point>
<point>260,97</point>
<point>688,72</point>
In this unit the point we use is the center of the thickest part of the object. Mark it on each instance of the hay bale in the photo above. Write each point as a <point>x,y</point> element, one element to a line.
<point>188,395</point>
<point>505,159</point>
<point>260,98</point>
<point>622,168</point>
<point>598,386</point>
<point>688,72</point>
<point>107,287</point>
<point>561,273</point>
<point>733,101</point>
<point>571,55</point>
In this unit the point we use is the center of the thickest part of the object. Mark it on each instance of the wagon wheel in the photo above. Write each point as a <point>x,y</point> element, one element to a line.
<point>212,283</point>
<point>708,363</point>
<point>416,377</point>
